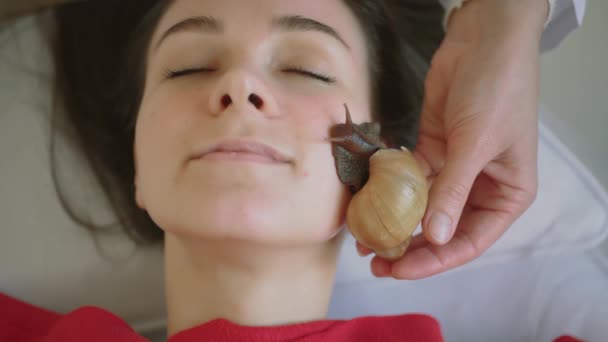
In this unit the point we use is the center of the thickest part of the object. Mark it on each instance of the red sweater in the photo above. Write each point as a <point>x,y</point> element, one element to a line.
<point>22,322</point>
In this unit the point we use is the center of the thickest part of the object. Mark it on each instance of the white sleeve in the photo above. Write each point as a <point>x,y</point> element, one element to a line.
<point>564,17</point>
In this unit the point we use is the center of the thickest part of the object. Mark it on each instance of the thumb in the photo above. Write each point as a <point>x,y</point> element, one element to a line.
<point>449,192</point>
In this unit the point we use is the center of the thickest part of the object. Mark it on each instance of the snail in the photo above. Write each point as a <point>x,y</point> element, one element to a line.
<point>389,190</point>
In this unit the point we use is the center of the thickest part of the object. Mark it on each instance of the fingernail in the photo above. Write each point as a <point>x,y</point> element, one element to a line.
<point>441,227</point>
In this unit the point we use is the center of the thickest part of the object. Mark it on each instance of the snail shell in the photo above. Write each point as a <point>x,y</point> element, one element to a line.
<point>385,212</point>
<point>390,191</point>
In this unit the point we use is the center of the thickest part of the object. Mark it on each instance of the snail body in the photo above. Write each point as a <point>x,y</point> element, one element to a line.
<point>389,190</point>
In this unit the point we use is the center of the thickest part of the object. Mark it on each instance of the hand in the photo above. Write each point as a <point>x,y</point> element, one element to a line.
<point>478,135</point>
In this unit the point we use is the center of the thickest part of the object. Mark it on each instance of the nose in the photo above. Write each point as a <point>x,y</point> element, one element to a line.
<point>240,90</point>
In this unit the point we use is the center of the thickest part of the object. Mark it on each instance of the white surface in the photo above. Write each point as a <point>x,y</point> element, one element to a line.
<point>574,86</point>
<point>532,299</point>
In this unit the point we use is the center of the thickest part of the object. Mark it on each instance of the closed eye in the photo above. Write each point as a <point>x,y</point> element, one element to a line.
<point>308,73</point>
<point>169,74</point>
<point>187,71</point>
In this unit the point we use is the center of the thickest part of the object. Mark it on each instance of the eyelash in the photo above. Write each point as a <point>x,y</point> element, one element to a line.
<point>169,74</point>
<point>315,75</point>
<point>187,71</point>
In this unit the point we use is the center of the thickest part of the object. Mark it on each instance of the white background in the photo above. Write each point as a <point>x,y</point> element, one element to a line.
<point>574,86</point>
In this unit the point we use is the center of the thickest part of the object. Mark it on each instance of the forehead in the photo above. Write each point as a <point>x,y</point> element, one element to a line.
<point>254,17</point>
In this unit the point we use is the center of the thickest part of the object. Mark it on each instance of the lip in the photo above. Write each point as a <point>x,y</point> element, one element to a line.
<point>246,150</point>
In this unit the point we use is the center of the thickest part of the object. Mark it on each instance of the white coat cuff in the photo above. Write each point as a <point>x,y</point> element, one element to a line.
<point>451,5</point>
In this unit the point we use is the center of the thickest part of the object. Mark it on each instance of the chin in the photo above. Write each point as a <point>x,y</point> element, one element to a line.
<point>233,215</point>
<point>279,213</point>
<point>255,219</point>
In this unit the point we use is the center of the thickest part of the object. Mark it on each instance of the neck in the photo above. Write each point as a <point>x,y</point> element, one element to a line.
<point>246,283</point>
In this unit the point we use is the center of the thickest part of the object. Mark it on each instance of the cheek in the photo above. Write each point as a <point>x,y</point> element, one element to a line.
<point>312,117</point>
<point>161,142</point>
<point>171,111</point>
<point>318,187</point>
<point>165,119</point>
<point>323,199</point>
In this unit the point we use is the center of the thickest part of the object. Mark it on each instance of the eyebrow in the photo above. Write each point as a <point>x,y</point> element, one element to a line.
<point>206,24</point>
<point>299,23</point>
<point>203,24</point>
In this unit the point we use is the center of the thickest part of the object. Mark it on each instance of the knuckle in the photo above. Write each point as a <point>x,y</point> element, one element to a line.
<point>527,194</point>
<point>526,201</point>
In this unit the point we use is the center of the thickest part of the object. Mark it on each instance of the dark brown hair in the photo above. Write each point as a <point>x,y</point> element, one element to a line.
<point>99,54</point>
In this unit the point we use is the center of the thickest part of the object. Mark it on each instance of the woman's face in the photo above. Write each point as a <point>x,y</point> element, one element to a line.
<point>238,102</point>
